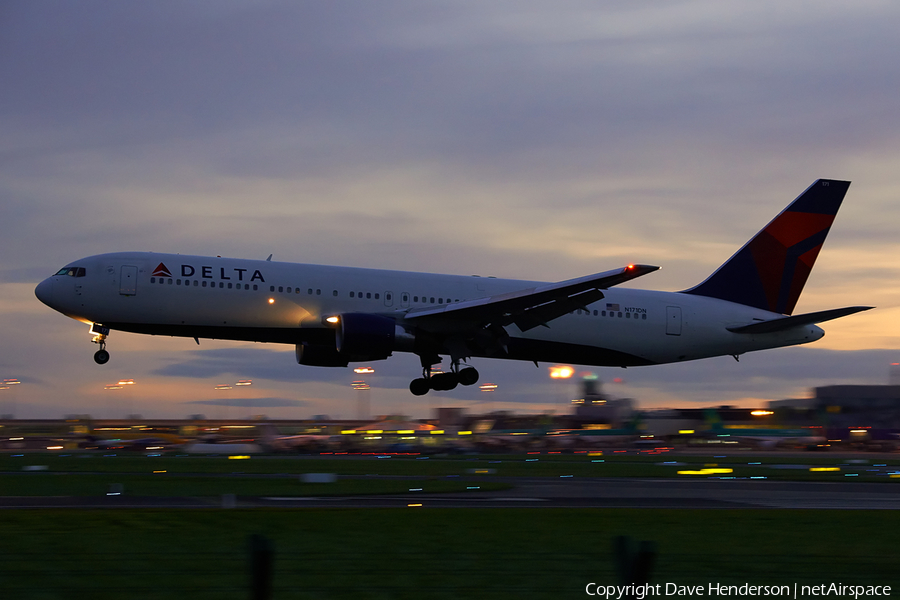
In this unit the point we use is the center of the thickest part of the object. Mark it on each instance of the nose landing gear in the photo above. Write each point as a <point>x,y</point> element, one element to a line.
<point>101,356</point>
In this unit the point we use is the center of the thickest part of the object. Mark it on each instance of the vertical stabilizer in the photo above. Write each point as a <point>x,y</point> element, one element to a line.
<point>769,272</point>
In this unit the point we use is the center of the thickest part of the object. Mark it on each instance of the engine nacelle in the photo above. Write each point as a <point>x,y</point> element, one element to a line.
<point>362,336</point>
<point>320,356</point>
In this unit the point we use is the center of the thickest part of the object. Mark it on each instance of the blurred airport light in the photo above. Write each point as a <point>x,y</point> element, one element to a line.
<point>561,372</point>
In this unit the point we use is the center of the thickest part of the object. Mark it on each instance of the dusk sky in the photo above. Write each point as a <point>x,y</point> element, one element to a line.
<point>532,140</point>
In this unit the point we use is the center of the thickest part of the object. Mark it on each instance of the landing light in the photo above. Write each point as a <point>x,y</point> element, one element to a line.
<point>334,320</point>
<point>271,300</point>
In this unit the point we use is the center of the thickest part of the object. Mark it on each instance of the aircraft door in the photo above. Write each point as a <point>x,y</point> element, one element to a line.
<point>673,320</point>
<point>128,280</point>
<point>389,298</point>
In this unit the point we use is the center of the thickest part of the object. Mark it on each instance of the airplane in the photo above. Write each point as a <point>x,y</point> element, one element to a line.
<point>338,315</point>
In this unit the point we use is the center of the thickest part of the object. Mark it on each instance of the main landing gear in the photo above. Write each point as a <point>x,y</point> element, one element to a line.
<point>101,356</point>
<point>443,382</point>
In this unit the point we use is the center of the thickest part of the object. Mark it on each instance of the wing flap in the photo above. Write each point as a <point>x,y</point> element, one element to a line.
<point>783,323</point>
<point>535,306</point>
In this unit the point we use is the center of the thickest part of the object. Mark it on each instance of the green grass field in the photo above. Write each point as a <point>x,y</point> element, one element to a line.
<point>429,553</point>
<point>414,552</point>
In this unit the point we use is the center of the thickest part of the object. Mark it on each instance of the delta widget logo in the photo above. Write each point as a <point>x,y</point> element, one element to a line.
<point>162,271</point>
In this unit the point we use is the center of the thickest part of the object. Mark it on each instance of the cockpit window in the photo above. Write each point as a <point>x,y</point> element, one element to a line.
<point>72,271</point>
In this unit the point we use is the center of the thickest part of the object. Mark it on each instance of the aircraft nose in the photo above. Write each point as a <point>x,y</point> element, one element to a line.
<point>44,292</point>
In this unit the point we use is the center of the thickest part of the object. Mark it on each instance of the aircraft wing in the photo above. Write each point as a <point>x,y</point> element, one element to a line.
<point>531,307</point>
<point>783,323</point>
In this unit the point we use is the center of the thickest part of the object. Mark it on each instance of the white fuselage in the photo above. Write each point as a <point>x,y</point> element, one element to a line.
<point>225,298</point>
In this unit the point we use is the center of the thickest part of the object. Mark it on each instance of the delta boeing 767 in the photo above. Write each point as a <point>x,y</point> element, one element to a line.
<point>338,315</point>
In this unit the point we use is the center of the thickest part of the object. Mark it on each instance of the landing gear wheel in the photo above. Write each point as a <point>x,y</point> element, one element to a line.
<point>468,376</point>
<point>419,387</point>
<point>444,382</point>
<point>101,357</point>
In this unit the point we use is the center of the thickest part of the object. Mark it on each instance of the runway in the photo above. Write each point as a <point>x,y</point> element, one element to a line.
<point>546,493</point>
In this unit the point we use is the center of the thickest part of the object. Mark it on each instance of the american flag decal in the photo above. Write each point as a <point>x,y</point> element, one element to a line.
<point>613,307</point>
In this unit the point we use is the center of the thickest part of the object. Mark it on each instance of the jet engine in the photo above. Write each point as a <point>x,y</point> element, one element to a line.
<point>315,355</point>
<point>362,336</point>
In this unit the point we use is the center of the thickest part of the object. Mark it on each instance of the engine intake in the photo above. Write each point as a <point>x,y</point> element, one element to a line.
<point>362,336</point>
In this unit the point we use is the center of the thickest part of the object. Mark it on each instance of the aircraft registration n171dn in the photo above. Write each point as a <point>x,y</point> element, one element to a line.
<point>338,315</point>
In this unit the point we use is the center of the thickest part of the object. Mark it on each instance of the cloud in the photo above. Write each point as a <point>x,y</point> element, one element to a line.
<point>521,140</point>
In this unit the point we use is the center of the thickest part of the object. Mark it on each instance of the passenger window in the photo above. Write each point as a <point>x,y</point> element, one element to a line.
<point>334,293</point>
<point>368,295</point>
<point>351,294</point>
<point>377,296</point>
<point>203,284</point>
<point>318,292</point>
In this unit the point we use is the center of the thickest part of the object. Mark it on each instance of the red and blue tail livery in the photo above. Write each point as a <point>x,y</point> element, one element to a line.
<point>769,272</point>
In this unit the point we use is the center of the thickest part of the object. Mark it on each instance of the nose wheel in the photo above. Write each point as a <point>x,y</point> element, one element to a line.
<point>101,356</point>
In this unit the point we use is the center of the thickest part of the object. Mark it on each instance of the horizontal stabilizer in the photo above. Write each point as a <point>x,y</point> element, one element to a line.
<point>784,323</point>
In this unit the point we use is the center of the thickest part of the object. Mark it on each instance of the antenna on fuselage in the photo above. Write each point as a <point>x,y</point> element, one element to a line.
<point>269,259</point>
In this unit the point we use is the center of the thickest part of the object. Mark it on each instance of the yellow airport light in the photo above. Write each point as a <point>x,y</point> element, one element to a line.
<point>561,372</point>
<point>821,469</point>
<point>711,471</point>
